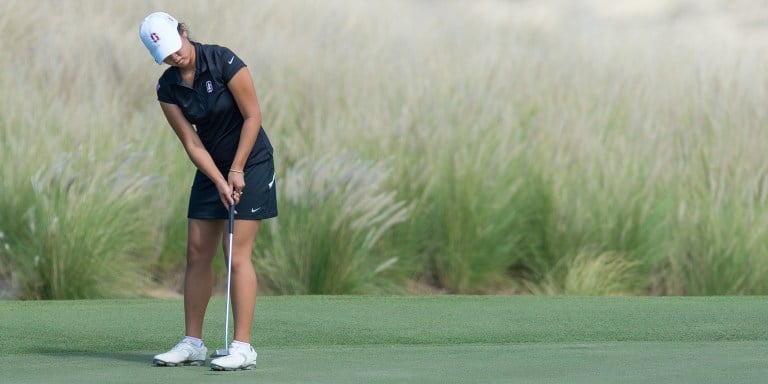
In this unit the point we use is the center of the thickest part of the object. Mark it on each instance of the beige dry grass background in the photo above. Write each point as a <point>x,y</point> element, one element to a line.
<point>528,146</point>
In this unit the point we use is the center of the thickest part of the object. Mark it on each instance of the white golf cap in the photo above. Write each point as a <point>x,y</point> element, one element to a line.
<point>159,34</point>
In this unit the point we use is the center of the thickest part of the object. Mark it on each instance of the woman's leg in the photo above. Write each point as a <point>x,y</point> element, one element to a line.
<point>244,285</point>
<point>202,244</point>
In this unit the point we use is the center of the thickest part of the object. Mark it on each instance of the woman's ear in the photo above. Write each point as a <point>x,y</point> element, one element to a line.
<point>183,30</point>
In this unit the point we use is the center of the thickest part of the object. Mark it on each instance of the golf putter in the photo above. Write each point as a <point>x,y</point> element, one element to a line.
<point>225,350</point>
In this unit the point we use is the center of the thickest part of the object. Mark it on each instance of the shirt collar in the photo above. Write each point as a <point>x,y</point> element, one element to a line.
<point>200,64</point>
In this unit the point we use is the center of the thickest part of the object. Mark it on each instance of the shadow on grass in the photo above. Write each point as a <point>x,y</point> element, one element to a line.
<point>133,357</point>
<point>130,357</point>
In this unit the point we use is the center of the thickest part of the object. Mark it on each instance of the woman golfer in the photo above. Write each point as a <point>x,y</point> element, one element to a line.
<point>209,100</point>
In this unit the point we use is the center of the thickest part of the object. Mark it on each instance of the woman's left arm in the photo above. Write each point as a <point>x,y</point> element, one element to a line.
<point>241,86</point>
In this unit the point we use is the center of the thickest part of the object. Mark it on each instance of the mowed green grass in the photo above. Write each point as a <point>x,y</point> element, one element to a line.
<point>422,339</point>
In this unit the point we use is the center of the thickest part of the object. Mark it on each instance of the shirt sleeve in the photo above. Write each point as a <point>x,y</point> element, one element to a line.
<point>164,93</point>
<point>229,63</point>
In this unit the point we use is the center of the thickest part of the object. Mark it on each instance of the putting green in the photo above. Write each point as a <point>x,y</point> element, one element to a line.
<point>441,339</point>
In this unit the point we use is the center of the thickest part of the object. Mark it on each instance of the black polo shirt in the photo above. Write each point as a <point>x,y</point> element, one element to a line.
<point>210,106</point>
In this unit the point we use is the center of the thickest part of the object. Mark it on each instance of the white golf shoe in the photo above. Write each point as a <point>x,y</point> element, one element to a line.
<point>239,358</point>
<point>184,353</point>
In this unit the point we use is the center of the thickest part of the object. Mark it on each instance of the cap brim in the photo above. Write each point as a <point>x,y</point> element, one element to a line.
<point>163,52</point>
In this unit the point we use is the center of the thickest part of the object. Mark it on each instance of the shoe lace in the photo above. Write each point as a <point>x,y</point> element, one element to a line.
<point>182,345</point>
<point>240,349</point>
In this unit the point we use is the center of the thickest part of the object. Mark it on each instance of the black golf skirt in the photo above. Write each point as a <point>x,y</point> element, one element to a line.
<point>258,201</point>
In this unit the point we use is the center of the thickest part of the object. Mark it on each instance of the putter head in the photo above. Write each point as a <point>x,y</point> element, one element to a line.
<point>220,353</point>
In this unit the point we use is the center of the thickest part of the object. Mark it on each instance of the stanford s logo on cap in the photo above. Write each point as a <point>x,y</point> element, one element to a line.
<point>155,38</point>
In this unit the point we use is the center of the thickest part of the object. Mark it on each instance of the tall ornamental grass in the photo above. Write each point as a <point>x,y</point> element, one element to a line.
<point>63,248</point>
<point>334,211</point>
<point>82,193</point>
<point>551,147</point>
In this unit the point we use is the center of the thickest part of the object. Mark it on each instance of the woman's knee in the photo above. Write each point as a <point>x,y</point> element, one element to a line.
<point>242,262</point>
<point>199,255</point>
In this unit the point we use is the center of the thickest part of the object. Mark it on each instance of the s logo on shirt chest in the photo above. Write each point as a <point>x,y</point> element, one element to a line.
<point>209,86</point>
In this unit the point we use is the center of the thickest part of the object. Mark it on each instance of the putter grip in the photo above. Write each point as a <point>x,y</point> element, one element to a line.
<point>231,218</point>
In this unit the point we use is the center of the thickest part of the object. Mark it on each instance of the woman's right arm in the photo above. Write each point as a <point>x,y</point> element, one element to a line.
<point>196,151</point>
